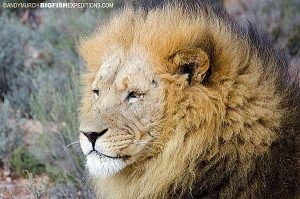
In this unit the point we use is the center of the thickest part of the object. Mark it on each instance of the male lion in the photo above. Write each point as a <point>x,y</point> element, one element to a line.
<point>181,102</point>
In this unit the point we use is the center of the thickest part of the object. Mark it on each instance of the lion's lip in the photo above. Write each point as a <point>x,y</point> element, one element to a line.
<point>107,156</point>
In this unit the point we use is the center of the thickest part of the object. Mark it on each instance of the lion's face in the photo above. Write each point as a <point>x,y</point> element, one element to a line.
<point>126,106</point>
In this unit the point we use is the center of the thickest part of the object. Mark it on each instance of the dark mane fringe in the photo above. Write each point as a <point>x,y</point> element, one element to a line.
<point>281,168</point>
<point>285,152</point>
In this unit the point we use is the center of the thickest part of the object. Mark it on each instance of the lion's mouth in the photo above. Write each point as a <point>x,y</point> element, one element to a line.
<point>125,157</point>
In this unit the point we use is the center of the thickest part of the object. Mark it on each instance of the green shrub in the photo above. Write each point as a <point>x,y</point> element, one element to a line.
<point>10,135</point>
<point>16,80</point>
<point>12,56</point>
<point>59,104</point>
<point>4,114</point>
<point>21,160</point>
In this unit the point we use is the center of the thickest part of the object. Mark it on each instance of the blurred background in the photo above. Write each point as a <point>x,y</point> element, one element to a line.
<point>39,89</point>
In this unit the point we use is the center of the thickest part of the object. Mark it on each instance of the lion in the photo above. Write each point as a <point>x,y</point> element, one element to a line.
<point>181,101</point>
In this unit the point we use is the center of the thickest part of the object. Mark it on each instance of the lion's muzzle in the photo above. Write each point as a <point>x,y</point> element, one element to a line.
<point>93,136</point>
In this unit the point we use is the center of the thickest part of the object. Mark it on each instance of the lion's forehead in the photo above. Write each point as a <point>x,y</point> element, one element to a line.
<point>132,66</point>
<point>107,70</point>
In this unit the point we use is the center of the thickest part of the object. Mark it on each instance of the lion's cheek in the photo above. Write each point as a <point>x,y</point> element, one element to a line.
<point>115,149</point>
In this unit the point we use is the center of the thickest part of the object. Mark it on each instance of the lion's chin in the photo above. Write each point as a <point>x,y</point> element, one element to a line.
<point>103,167</point>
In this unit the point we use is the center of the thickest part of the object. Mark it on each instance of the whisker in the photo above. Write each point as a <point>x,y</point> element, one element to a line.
<point>72,143</point>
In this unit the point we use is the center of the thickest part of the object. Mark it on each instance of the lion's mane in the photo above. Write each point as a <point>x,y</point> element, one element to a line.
<point>235,136</point>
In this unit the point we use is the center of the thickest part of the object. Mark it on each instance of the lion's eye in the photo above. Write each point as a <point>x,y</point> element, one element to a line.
<point>133,96</point>
<point>95,94</point>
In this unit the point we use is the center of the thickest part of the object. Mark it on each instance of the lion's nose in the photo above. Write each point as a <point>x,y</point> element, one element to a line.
<point>92,136</point>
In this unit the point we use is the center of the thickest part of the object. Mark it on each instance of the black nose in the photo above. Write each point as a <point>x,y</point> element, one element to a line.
<point>92,136</point>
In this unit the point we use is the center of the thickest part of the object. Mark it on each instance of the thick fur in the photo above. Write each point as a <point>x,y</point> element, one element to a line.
<point>235,135</point>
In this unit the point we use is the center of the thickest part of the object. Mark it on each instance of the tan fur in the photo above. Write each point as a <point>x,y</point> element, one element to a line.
<point>237,115</point>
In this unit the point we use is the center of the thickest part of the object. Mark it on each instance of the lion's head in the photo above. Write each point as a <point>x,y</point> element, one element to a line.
<point>124,119</point>
<point>173,98</point>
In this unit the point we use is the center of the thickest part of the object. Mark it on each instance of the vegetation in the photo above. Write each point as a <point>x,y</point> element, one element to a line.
<point>39,81</point>
<point>21,161</point>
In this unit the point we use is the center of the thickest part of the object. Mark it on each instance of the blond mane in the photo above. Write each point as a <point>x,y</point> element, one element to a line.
<point>218,134</point>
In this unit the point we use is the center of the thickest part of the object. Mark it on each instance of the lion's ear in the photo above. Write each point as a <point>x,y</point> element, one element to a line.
<point>191,62</point>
